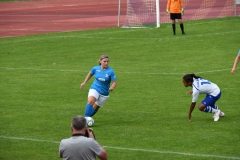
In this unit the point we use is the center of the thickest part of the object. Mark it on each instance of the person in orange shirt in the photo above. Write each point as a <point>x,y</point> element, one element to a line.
<point>176,11</point>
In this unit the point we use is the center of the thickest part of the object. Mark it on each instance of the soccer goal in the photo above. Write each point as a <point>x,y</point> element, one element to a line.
<point>142,13</point>
<point>150,13</point>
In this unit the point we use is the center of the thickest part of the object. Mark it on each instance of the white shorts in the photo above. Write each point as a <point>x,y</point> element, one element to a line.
<point>100,99</point>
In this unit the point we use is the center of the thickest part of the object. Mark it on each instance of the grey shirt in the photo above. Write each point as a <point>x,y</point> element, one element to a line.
<point>79,147</point>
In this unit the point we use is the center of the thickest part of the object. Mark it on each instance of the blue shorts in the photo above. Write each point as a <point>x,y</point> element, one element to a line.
<point>211,100</point>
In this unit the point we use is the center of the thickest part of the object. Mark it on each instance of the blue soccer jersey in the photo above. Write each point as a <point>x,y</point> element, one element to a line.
<point>103,79</point>
<point>239,51</point>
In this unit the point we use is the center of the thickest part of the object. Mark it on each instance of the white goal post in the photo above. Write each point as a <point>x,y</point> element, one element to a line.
<point>141,14</point>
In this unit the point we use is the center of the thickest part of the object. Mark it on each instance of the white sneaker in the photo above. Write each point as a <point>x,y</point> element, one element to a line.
<point>221,114</point>
<point>216,115</point>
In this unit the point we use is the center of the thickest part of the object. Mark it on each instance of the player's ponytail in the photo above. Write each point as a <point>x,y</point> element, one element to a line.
<point>189,77</point>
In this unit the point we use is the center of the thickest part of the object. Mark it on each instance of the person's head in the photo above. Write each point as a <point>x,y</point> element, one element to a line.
<point>78,123</point>
<point>188,79</point>
<point>103,61</point>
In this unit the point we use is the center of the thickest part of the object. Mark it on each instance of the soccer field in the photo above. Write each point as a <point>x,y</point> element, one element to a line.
<point>146,117</point>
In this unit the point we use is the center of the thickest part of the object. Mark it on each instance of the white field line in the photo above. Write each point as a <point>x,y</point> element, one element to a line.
<point>171,152</point>
<point>94,36</point>
<point>148,73</point>
<point>149,38</point>
<point>130,149</point>
<point>191,23</point>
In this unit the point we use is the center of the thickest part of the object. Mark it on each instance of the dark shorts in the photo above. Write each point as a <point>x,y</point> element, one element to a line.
<point>174,16</point>
<point>211,100</point>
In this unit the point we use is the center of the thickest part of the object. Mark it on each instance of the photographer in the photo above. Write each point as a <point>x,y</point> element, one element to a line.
<point>80,147</point>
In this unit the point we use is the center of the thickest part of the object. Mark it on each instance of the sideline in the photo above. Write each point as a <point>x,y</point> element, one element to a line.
<point>129,149</point>
<point>149,73</point>
<point>100,32</point>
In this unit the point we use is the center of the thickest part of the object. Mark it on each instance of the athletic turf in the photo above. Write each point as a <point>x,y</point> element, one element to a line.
<point>146,117</point>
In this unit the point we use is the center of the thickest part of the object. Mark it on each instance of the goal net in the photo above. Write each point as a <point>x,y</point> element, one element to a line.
<point>149,13</point>
<point>142,13</point>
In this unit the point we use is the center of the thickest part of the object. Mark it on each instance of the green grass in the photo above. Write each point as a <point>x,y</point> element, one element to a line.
<point>146,117</point>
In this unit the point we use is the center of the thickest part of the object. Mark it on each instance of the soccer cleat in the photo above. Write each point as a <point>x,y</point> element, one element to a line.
<point>221,114</point>
<point>216,115</point>
<point>183,33</point>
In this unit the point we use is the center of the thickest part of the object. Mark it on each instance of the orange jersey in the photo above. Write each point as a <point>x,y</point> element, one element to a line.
<point>174,6</point>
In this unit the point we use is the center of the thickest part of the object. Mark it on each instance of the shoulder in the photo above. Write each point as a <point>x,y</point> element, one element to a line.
<point>89,142</point>
<point>195,80</point>
<point>110,69</point>
<point>96,67</point>
<point>64,141</point>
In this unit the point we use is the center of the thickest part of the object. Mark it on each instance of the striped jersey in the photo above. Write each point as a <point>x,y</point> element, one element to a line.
<point>203,86</point>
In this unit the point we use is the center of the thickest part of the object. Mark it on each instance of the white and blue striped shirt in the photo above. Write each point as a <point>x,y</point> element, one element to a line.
<point>203,86</point>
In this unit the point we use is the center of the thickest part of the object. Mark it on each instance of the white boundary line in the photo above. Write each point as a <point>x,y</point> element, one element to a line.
<point>99,32</point>
<point>171,152</point>
<point>129,149</point>
<point>62,70</point>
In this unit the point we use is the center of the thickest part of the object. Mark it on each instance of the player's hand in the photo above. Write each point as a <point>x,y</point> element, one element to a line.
<point>189,92</point>
<point>90,133</point>
<point>233,70</point>
<point>182,11</point>
<point>81,86</point>
<point>190,118</point>
<point>167,11</point>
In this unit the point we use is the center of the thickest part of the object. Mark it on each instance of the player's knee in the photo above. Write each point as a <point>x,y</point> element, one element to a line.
<point>201,107</point>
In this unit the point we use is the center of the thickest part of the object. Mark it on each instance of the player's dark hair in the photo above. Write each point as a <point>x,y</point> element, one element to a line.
<point>189,77</point>
<point>102,57</point>
<point>78,122</point>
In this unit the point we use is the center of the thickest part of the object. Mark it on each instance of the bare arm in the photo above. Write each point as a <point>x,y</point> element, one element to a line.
<point>103,155</point>
<point>192,106</point>
<point>114,84</point>
<point>235,63</point>
<point>89,75</point>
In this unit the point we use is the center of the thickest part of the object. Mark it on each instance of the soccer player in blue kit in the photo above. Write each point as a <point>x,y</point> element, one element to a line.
<point>203,86</point>
<point>99,91</point>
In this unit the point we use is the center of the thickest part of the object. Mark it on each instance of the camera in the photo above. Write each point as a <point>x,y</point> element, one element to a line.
<point>87,133</point>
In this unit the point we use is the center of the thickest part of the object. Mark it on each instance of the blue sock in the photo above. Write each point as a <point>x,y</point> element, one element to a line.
<point>89,110</point>
<point>215,106</point>
<point>95,111</point>
<point>209,109</point>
